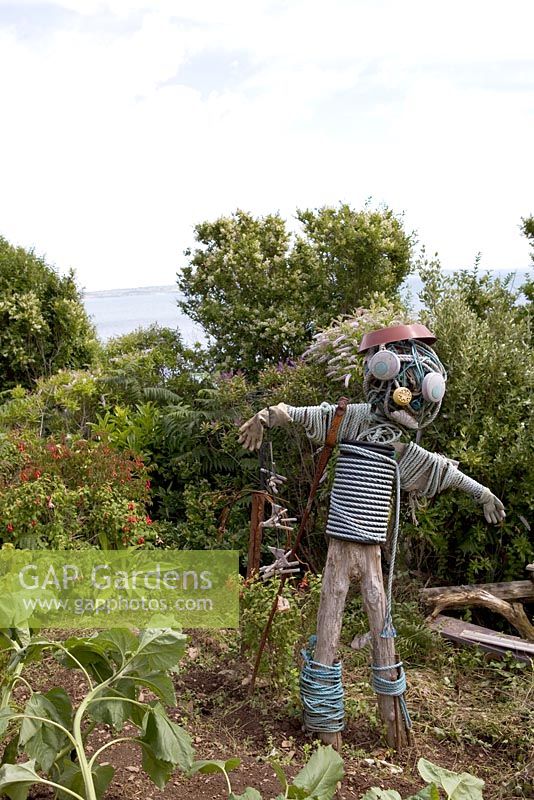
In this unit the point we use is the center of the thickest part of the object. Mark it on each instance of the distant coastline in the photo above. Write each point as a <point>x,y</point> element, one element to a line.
<point>119,311</point>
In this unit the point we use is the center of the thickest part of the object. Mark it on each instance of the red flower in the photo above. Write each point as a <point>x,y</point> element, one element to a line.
<point>147,485</point>
<point>148,520</point>
<point>33,523</point>
<point>131,506</point>
<point>37,474</point>
<point>141,540</point>
<point>10,527</point>
<point>21,447</point>
<point>24,476</point>
<point>131,519</point>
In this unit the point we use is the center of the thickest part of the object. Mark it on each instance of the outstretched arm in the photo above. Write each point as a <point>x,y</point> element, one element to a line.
<point>315,419</point>
<point>428,474</point>
<point>251,432</point>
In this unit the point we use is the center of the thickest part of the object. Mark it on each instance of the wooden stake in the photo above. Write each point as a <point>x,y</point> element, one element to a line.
<point>256,533</point>
<point>348,561</point>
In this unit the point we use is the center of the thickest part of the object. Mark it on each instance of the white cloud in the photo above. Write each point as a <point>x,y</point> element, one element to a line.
<point>109,156</point>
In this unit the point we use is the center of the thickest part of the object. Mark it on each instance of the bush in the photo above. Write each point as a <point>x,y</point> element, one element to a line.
<point>259,293</point>
<point>70,493</point>
<point>486,424</point>
<point>43,323</point>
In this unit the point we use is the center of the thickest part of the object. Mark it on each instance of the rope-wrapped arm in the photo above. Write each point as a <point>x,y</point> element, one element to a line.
<point>318,419</point>
<point>425,474</point>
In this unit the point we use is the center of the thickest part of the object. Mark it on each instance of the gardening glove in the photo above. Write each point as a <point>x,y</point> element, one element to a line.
<point>251,432</point>
<point>492,507</point>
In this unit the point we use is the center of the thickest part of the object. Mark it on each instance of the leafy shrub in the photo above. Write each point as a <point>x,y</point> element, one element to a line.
<point>71,493</point>
<point>486,424</point>
<point>290,629</point>
<point>259,293</point>
<point>151,357</point>
<point>43,323</point>
<point>62,404</point>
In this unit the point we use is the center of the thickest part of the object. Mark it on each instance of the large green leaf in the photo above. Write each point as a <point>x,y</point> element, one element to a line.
<point>62,703</point>
<point>321,774</point>
<point>90,653</point>
<point>159,649</point>
<point>41,740</point>
<point>208,767</point>
<point>158,770</point>
<point>5,717</point>
<point>9,756</point>
<point>16,779</point>
<point>113,712</point>
<point>159,684</point>
<point>457,786</point>
<point>167,740</point>
<point>71,777</point>
<point>119,642</point>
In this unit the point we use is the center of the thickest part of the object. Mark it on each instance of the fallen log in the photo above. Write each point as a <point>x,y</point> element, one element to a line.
<point>460,632</point>
<point>466,596</point>
<point>513,590</point>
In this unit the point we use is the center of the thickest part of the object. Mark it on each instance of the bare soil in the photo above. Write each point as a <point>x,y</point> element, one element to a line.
<point>451,728</point>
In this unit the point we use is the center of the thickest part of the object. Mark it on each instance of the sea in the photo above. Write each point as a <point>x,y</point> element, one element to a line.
<point>118,311</point>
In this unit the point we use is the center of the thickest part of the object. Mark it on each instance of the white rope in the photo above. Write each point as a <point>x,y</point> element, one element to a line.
<point>442,474</point>
<point>317,420</point>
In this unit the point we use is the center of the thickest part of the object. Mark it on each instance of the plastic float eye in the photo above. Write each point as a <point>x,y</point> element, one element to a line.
<point>402,396</point>
<point>433,387</point>
<point>384,365</point>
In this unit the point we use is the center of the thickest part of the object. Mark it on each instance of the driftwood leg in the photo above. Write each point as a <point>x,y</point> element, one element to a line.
<point>374,603</point>
<point>348,561</point>
<point>341,566</point>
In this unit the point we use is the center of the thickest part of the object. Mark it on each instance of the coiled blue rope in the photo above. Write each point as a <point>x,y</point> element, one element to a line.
<point>321,692</point>
<point>395,688</point>
<point>360,506</point>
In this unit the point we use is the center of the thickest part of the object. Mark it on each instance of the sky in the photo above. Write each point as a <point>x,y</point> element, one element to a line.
<point>125,122</point>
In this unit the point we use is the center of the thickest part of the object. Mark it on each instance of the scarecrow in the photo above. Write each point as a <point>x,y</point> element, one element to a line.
<point>404,385</point>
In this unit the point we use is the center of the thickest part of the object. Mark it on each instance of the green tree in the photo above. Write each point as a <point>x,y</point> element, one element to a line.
<point>259,291</point>
<point>527,227</point>
<point>43,324</point>
<point>486,423</point>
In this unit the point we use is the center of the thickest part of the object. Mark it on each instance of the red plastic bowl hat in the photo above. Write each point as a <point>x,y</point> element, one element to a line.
<point>396,333</point>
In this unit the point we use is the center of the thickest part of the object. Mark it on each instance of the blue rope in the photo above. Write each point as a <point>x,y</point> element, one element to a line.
<point>360,506</point>
<point>321,692</point>
<point>395,688</point>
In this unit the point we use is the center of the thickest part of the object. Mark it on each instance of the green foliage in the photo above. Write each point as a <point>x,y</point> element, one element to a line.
<point>457,786</point>
<point>62,404</point>
<point>43,324</point>
<point>258,292</point>
<point>52,731</point>
<point>290,629</point>
<point>317,780</point>
<point>151,357</point>
<point>71,493</point>
<point>486,423</point>
<point>359,252</point>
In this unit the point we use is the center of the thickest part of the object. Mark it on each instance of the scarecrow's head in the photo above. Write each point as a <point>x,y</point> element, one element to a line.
<point>404,380</point>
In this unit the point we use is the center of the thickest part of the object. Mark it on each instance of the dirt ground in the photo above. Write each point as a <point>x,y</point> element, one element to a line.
<point>471,723</point>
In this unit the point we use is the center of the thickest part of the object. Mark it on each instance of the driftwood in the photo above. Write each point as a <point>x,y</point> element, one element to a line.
<point>513,590</point>
<point>346,562</point>
<point>465,596</point>
<point>460,632</point>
